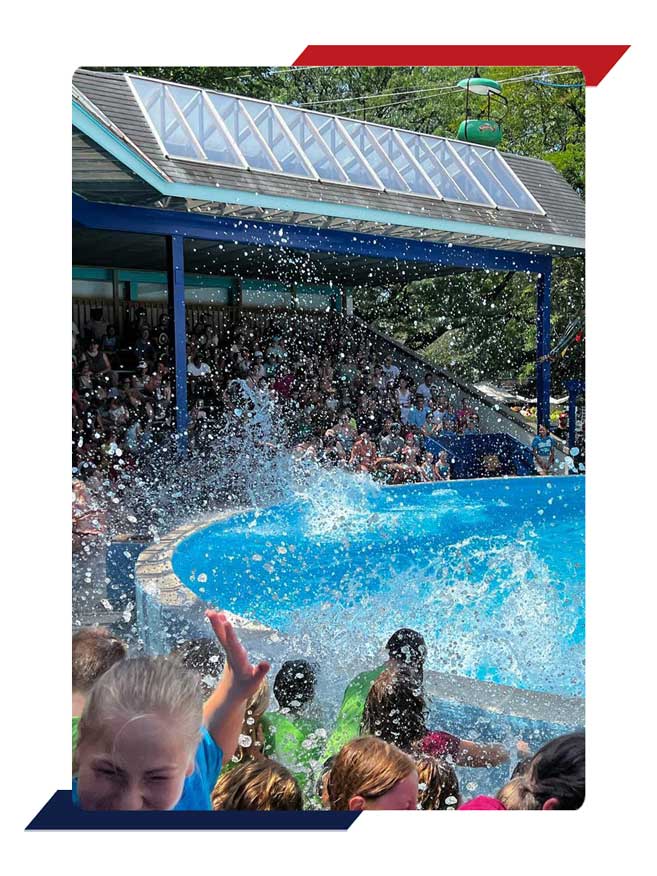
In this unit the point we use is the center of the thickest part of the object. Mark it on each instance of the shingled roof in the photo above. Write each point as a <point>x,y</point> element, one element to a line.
<point>212,188</point>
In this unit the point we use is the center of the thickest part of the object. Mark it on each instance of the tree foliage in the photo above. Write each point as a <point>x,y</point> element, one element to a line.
<point>477,324</point>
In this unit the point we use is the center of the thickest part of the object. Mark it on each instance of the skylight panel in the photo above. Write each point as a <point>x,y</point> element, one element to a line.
<point>272,129</point>
<point>201,125</point>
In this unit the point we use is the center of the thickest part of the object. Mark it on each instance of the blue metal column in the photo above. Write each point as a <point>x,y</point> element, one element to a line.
<point>176,286</point>
<point>543,312</point>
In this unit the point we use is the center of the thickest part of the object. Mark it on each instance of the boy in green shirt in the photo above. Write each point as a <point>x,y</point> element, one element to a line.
<point>291,737</point>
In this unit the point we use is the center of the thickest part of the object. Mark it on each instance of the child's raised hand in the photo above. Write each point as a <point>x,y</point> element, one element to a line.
<point>245,679</point>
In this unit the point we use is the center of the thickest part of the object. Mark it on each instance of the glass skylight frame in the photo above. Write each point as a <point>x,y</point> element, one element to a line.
<point>341,125</point>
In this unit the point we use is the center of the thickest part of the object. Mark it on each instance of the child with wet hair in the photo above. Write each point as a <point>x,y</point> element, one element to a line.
<point>147,742</point>
<point>396,710</point>
<point>554,778</point>
<point>94,651</point>
<point>291,735</point>
<point>205,658</point>
<point>369,773</point>
<point>260,785</point>
<point>438,784</point>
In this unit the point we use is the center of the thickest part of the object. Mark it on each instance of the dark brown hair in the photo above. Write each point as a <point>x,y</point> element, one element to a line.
<point>556,770</point>
<point>395,708</point>
<point>294,685</point>
<point>366,767</point>
<point>261,785</point>
<point>204,657</point>
<point>407,646</point>
<point>94,651</point>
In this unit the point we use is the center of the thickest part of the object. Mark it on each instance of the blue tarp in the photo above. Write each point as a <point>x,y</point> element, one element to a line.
<point>467,453</point>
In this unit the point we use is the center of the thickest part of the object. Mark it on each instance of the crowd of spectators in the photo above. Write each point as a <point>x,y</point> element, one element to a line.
<point>200,730</point>
<point>340,401</point>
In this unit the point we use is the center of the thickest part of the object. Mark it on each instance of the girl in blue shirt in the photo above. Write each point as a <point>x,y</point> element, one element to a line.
<point>145,740</point>
<point>543,450</point>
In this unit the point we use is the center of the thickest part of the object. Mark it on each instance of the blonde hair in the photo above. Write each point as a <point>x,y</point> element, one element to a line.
<point>366,767</point>
<point>258,785</point>
<point>142,686</point>
<point>251,728</point>
<point>517,795</point>
<point>438,784</point>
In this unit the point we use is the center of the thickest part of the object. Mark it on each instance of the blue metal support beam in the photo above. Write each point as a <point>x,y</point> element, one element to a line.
<point>177,322</point>
<point>543,313</point>
<point>143,220</point>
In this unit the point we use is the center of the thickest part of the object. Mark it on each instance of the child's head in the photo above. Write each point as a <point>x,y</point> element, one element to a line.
<point>438,784</point>
<point>407,646</point>
<point>258,785</point>
<point>205,658</point>
<point>294,685</point>
<point>395,708</point>
<point>138,735</point>
<point>554,778</point>
<point>369,773</point>
<point>94,651</point>
<point>515,795</point>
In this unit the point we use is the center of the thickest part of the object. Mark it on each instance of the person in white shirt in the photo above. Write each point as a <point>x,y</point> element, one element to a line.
<point>390,370</point>
<point>197,368</point>
<point>425,387</point>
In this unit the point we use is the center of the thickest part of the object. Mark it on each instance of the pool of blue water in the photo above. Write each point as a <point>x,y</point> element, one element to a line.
<point>490,571</point>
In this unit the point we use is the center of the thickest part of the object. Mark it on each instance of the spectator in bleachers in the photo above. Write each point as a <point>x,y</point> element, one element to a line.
<point>442,468</point>
<point>408,469</point>
<point>99,363</point>
<point>110,342</point>
<point>543,447</point>
<point>427,468</point>
<point>196,367</point>
<point>390,440</point>
<point>472,425</point>
<point>346,431</point>
<point>144,348</point>
<point>417,415</point>
<point>403,397</point>
<point>94,328</point>
<point>363,456</point>
<point>424,389</point>
<point>390,370</point>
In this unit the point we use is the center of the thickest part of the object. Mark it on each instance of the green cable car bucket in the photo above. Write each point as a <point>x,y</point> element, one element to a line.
<point>485,130</point>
